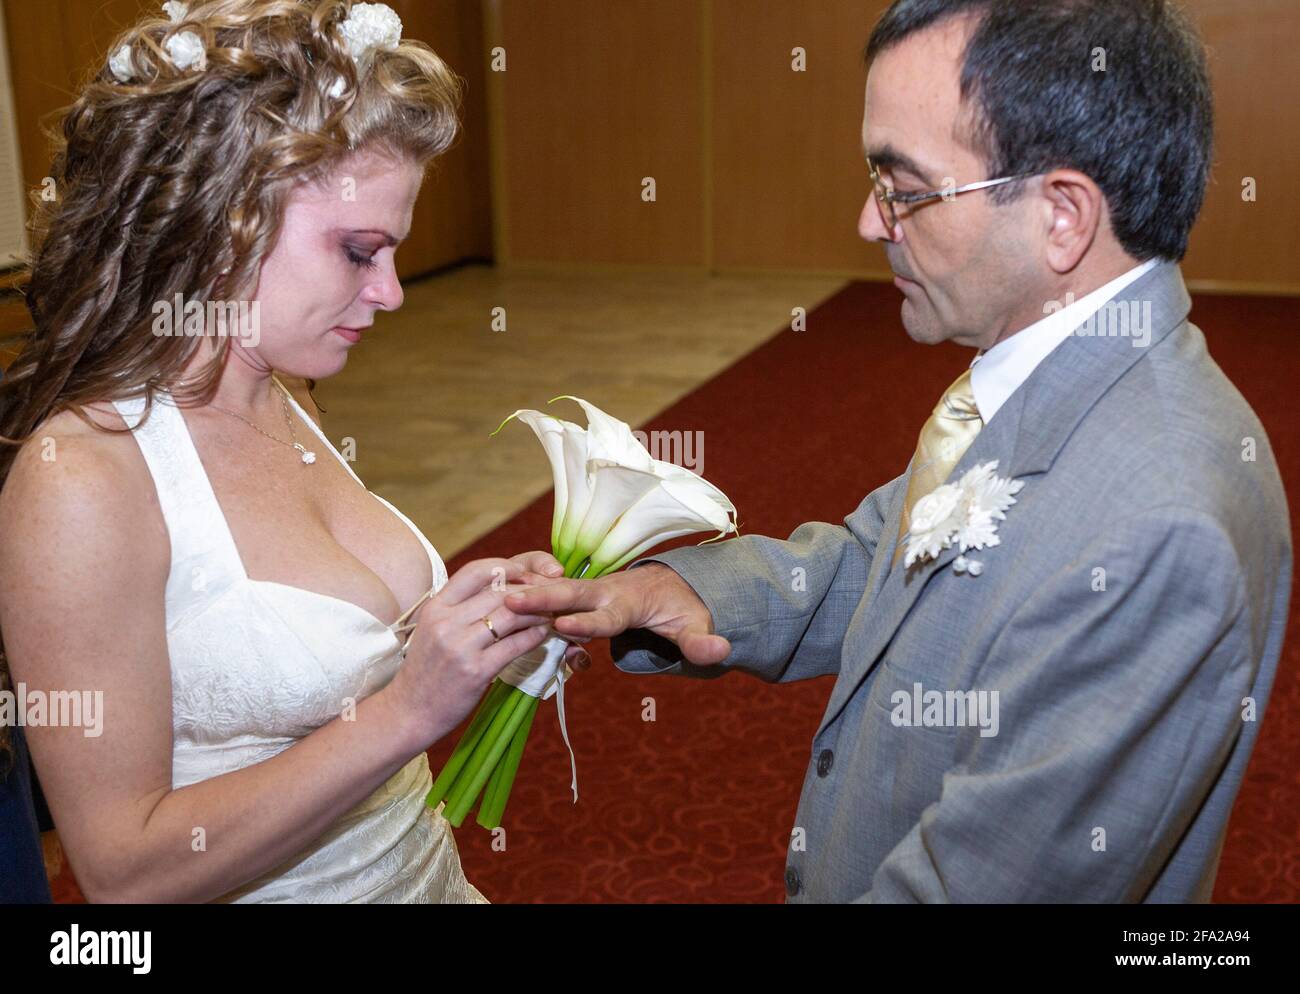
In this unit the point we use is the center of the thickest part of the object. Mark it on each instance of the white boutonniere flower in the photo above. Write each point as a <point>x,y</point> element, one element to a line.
<point>964,513</point>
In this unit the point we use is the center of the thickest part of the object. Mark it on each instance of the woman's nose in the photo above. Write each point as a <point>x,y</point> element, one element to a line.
<point>387,292</point>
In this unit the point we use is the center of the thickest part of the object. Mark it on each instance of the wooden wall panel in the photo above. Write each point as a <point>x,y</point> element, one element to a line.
<point>595,90</point>
<point>1256,70</point>
<point>453,217</point>
<point>598,95</point>
<point>788,174</point>
<point>54,47</point>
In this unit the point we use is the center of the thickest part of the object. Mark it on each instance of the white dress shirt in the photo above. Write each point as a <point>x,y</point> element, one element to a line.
<point>997,373</point>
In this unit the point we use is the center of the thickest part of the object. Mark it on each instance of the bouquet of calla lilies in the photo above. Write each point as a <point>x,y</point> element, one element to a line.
<point>613,503</point>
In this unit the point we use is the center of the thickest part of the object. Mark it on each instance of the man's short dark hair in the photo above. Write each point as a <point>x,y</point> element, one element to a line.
<point>1142,128</point>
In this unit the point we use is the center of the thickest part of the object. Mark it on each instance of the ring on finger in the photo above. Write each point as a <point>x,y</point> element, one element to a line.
<point>488,621</point>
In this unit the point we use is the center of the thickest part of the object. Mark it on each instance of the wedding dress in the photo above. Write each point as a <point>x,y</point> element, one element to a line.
<point>257,665</point>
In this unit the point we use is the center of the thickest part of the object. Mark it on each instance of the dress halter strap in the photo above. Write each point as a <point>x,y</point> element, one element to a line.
<point>204,558</point>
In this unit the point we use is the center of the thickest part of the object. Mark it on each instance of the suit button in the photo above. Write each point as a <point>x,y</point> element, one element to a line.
<point>824,762</point>
<point>791,881</point>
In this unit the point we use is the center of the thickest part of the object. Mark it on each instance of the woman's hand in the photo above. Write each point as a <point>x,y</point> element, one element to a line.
<point>453,655</point>
<point>541,568</point>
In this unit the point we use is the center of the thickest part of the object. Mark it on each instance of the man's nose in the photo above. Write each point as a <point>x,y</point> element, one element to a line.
<point>872,226</point>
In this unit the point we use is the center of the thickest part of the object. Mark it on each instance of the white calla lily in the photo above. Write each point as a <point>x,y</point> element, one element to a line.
<point>614,489</point>
<point>611,439</point>
<point>613,501</point>
<point>681,504</point>
<point>565,445</point>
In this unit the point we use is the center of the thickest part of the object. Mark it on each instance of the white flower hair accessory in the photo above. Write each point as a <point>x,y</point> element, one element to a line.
<point>965,513</point>
<point>367,28</point>
<point>184,50</point>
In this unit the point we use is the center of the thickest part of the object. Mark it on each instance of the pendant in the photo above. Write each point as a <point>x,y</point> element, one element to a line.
<point>307,457</point>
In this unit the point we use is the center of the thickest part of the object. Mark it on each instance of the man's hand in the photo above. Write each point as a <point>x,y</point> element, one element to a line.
<point>542,567</point>
<point>652,597</point>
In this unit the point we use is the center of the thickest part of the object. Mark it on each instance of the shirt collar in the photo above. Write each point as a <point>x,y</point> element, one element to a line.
<point>998,372</point>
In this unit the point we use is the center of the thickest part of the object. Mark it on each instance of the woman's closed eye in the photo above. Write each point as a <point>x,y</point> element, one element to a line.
<point>359,260</point>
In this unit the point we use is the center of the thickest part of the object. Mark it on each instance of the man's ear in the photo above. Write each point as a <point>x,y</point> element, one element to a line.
<point>1074,210</point>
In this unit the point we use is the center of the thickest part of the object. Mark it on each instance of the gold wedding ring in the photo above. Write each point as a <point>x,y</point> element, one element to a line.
<point>488,621</point>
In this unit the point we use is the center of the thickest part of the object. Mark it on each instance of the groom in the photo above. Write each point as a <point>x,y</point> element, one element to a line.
<point>1066,715</point>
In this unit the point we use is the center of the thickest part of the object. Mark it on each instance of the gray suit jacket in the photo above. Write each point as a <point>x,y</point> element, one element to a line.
<point>1130,622</point>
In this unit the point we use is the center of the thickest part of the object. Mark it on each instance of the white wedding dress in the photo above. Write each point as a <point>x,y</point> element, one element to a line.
<point>257,665</point>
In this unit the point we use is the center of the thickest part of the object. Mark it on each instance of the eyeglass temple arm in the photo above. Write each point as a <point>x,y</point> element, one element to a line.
<point>912,198</point>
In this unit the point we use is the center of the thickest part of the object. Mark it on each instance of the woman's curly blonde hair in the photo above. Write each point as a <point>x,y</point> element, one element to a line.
<point>166,180</point>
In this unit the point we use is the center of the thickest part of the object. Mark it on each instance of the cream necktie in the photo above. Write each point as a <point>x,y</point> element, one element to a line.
<point>944,440</point>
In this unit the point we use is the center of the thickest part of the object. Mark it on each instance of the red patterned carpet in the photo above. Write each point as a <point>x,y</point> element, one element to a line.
<point>697,805</point>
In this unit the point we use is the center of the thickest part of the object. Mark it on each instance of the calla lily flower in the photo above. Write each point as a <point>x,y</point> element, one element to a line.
<point>566,447</point>
<point>681,504</point>
<point>613,501</point>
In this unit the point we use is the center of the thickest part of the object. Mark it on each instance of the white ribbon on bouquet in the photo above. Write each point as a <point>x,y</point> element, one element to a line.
<point>541,673</point>
<point>538,673</point>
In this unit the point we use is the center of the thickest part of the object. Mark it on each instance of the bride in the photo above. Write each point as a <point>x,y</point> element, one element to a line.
<point>179,533</point>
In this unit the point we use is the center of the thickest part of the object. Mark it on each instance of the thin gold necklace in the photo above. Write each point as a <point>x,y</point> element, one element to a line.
<point>307,457</point>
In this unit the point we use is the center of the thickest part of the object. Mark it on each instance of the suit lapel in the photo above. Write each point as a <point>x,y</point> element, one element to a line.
<point>1024,438</point>
<point>887,542</point>
<point>878,618</point>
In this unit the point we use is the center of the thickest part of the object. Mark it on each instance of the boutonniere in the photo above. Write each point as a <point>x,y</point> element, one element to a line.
<point>965,513</point>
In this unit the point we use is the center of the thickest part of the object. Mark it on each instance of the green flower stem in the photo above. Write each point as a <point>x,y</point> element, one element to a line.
<point>498,716</point>
<point>493,786</point>
<point>509,767</point>
<point>482,718</point>
<point>487,757</point>
<point>494,800</point>
<point>487,754</point>
<point>572,566</point>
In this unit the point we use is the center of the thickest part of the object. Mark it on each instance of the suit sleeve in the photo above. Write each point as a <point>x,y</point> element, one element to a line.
<point>1117,709</point>
<point>784,605</point>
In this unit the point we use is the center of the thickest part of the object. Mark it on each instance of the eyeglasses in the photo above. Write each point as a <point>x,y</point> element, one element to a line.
<point>887,198</point>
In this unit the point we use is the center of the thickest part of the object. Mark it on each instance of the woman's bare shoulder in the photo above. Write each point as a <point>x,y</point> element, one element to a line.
<point>99,441</point>
<point>73,477</point>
